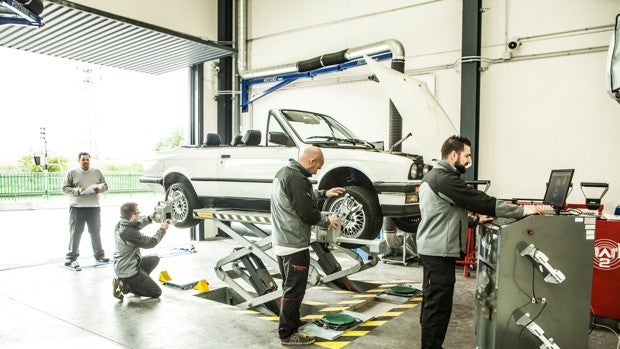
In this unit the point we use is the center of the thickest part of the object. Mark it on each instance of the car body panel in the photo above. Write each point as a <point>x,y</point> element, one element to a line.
<point>241,176</point>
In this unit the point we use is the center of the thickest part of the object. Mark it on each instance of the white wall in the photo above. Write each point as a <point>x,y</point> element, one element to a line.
<point>543,108</point>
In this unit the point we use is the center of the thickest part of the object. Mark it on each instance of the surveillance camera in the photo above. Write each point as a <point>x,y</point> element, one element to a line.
<point>514,43</point>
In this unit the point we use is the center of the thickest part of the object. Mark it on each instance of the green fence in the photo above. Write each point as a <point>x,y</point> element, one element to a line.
<point>14,186</point>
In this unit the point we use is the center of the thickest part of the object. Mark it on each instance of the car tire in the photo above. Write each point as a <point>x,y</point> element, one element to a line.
<point>407,224</point>
<point>363,223</point>
<point>183,200</point>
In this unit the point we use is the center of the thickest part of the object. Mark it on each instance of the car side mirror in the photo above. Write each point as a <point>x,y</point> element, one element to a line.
<point>280,138</point>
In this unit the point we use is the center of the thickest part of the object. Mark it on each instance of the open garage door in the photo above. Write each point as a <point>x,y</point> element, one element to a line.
<point>85,34</point>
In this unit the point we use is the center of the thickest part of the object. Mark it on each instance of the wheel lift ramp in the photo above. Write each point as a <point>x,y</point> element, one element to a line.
<point>251,261</point>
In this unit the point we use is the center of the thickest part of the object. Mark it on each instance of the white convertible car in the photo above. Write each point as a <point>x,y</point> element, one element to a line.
<point>239,176</point>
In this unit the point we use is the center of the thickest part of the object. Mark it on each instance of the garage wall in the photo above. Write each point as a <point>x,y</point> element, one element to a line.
<point>543,105</point>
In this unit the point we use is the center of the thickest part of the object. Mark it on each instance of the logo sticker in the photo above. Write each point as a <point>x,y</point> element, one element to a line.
<point>606,255</point>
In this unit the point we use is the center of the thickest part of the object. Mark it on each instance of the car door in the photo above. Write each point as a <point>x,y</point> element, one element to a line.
<point>246,171</point>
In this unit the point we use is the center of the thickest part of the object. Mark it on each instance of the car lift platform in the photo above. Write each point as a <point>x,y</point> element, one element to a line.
<point>252,261</point>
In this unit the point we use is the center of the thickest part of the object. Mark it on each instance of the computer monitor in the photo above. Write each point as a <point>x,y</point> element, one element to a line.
<point>557,189</point>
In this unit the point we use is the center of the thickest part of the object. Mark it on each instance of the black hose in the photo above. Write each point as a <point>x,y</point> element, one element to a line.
<point>321,61</point>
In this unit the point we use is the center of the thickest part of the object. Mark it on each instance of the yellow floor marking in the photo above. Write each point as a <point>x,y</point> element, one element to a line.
<point>354,333</point>
<point>374,323</point>
<point>250,312</point>
<point>313,317</point>
<point>332,345</point>
<point>406,306</point>
<point>375,290</point>
<point>355,301</point>
<point>416,299</point>
<point>364,296</point>
<point>387,285</point>
<point>270,318</point>
<point>334,309</point>
<point>315,303</point>
<point>392,313</point>
<point>342,291</point>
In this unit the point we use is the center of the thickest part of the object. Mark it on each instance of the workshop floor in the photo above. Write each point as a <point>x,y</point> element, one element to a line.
<point>45,304</point>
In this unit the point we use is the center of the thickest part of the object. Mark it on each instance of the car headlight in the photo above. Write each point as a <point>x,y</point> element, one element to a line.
<point>413,171</point>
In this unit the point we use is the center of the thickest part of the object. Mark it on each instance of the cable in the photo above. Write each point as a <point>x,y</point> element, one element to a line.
<point>534,300</point>
<point>612,330</point>
<point>594,324</point>
<point>532,320</point>
<point>533,279</point>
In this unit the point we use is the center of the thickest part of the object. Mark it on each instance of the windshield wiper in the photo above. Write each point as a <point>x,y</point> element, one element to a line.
<point>353,141</point>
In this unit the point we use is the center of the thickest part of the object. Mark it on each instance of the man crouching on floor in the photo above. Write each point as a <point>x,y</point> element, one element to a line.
<point>132,270</point>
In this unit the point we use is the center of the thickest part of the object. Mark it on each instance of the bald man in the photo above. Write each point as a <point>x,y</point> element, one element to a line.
<point>294,211</point>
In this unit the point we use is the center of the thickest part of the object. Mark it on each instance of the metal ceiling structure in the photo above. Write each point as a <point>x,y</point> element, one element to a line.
<point>89,35</point>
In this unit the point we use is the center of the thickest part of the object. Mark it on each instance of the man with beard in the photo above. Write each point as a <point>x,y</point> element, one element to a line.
<point>445,200</point>
<point>83,185</point>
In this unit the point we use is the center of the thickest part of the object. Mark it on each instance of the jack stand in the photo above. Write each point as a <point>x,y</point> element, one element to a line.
<point>470,259</point>
<point>404,256</point>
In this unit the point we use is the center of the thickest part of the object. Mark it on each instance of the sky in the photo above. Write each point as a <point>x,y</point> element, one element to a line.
<point>111,113</point>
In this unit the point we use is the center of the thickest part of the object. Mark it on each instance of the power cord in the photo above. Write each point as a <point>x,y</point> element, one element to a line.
<point>544,302</point>
<point>534,301</point>
<point>594,324</point>
<point>612,330</point>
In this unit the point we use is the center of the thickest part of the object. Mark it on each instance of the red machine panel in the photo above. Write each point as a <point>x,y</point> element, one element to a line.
<point>606,276</point>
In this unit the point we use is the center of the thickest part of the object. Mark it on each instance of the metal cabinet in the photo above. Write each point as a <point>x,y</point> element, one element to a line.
<point>534,283</point>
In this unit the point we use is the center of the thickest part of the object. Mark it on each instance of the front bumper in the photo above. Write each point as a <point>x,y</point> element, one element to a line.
<point>398,199</point>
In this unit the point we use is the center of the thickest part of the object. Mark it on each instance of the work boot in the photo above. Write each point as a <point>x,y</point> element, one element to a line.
<point>117,289</point>
<point>68,262</point>
<point>75,265</point>
<point>103,260</point>
<point>298,339</point>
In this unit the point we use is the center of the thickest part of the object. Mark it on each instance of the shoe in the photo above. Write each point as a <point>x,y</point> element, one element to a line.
<point>75,265</point>
<point>68,262</point>
<point>103,260</point>
<point>298,339</point>
<point>117,289</point>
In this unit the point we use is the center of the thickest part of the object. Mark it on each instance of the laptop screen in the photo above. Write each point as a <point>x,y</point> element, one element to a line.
<point>557,188</point>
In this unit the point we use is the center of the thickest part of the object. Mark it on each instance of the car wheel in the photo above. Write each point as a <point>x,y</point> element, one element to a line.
<point>407,224</point>
<point>362,214</point>
<point>183,201</point>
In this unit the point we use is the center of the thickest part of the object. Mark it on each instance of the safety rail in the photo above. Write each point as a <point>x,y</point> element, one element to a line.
<point>28,185</point>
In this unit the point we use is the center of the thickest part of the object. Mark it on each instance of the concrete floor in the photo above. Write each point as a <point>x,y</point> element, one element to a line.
<point>45,304</point>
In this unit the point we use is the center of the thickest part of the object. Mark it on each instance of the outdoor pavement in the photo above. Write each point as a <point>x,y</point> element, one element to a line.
<point>36,232</point>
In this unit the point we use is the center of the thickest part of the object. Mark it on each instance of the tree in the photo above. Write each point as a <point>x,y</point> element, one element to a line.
<point>54,164</point>
<point>175,140</point>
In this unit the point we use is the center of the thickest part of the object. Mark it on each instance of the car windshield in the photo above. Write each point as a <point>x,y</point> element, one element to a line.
<point>319,128</point>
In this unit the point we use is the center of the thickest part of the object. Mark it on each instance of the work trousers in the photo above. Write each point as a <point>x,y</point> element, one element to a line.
<point>294,270</point>
<point>141,284</point>
<point>78,217</point>
<point>438,288</point>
